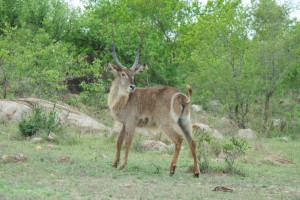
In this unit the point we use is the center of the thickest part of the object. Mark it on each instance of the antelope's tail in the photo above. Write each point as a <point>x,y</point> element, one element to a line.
<point>185,100</point>
<point>184,120</point>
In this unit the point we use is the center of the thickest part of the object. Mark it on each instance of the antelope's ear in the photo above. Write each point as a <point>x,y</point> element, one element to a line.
<point>140,69</point>
<point>111,69</point>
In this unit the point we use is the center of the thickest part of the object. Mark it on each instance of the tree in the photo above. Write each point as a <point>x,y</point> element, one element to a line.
<point>220,39</point>
<point>34,59</point>
<point>152,25</point>
<point>271,49</point>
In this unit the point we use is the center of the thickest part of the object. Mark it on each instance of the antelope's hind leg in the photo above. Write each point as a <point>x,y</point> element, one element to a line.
<point>186,127</point>
<point>119,142</point>
<point>193,148</point>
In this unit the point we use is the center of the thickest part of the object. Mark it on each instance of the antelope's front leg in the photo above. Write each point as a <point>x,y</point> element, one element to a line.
<point>128,141</point>
<point>120,140</point>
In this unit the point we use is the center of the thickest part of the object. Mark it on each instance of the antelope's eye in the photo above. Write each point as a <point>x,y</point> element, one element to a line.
<point>123,74</point>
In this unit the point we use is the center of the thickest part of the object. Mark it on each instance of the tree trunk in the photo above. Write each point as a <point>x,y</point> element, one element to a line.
<point>266,110</point>
<point>267,106</point>
<point>239,116</point>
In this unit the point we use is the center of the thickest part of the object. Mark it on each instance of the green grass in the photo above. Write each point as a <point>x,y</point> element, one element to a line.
<point>90,176</point>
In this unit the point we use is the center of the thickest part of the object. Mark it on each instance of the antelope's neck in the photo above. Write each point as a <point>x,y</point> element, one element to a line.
<point>117,99</point>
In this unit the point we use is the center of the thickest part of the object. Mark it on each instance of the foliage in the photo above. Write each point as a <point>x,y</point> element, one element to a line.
<point>26,53</point>
<point>219,57</point>
<point>271,55</point>
<point>40,120</point>
<point>31,44</point>
<point>203,140</point>
<point>232,150</point>
<point>244,56</point>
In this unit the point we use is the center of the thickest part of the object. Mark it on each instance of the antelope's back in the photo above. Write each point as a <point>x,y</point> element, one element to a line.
<point>158,104</point>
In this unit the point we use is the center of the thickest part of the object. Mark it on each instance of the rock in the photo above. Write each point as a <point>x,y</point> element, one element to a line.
<point>196,108</point>
<point>225,126</point>
<point>147,132</point>
<point>222,189</point>
<point>247,134</point>
<point>36,140</point>
<point>206,129</point>
<point>51,136</point>
<point>247,159</point>
<point>276,122</point>
<point>52,146</point>
<point>38,148</point>
<point>128,185</point>
<point>103,156</point>
<point>222,155</point>
<point>171,147</point>
<point>216,104</point>
<point>64,159</point>
<point>15,110</point>
<point>14,158</point>
<point>284,138</point>
<point>152,145</point>
<point>84,122</point>
<point>279,124</point>
<point>276,160</point>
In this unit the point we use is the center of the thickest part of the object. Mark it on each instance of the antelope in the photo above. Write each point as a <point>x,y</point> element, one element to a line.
<point>165,108</point>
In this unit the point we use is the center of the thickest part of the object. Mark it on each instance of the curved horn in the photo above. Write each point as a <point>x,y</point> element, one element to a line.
<point>136,61</point>
<point>116,59</point>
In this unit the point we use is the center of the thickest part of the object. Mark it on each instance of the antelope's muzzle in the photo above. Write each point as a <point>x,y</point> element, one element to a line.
<point>131,88</point>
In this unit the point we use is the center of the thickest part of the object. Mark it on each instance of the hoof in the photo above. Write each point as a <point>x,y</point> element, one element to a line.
<point>196,174</point>
<point>172,170</point>
<point>115,165</point>
<point>121,167</point>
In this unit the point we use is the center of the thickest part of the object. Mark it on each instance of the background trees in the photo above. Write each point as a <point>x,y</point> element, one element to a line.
<point>272,54</point>
<point>244,56</point>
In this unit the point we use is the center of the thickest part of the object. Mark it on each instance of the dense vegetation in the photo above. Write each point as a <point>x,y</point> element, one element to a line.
<point>245,57</point>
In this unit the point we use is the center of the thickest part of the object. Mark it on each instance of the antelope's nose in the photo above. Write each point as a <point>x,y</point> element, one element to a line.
<point>131,87</point>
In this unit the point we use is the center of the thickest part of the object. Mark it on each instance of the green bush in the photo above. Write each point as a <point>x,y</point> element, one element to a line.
<point>235,148</point>
<point>203,142</point>
<point>40,120</point>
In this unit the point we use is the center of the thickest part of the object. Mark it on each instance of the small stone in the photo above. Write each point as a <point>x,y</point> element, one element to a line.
<point>197,108</point>
<point>276,160</point>
<point>128,185</point>
<point>247,134</point>
<point>247,159</point>
<point>285,139</point>
<point>223,189</point>
<point>36,140</point>
<point>51,136</point>
<point>64,159</point>
<point>38,148</point>
<point>151,145</point>
<point>14,158</point>
<point>203,128</point>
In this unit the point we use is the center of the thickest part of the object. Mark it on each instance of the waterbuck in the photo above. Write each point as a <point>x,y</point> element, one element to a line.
<point>165,108</point>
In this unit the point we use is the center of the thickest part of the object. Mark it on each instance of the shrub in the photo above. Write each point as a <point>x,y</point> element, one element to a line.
<point>40,120</point>
<point>203,140</point>
<point>235,148</point>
